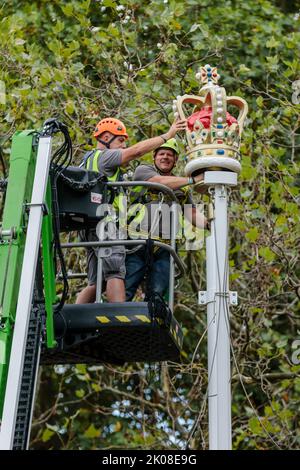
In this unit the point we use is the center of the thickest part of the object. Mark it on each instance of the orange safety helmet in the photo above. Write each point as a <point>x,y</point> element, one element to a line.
<point>112,125</point>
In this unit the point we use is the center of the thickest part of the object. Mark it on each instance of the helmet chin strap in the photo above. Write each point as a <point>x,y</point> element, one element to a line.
<point>107,144</point>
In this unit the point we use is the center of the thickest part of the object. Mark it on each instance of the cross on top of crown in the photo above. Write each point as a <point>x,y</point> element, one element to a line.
<point>208,75</point>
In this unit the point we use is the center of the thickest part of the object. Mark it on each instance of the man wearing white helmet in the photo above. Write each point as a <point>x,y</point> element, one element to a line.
<point>164,158</point>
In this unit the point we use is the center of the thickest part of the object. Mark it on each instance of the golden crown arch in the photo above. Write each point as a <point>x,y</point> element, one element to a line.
<point>215,146</point>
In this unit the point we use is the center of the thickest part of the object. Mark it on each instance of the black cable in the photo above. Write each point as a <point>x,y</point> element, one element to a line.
<point>3,181</point>
<point>4,169</point>
<point>58,249</point>
<point>3,185</point>
<point>60,160</point>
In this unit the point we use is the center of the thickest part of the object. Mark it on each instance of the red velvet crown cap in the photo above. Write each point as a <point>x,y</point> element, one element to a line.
<point>204,116</point>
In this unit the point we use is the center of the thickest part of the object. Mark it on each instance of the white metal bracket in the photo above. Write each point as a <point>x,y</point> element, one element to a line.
<point>205,297</point>
<point>233,297</point>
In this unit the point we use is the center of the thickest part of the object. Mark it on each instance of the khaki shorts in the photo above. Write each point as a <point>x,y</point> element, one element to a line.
<point>113,266</point>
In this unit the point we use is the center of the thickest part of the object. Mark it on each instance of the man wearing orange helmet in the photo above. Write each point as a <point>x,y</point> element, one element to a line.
<point>110,155</point>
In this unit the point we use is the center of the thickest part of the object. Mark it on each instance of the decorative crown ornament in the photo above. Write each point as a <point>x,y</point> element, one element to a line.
<point>213,135</point>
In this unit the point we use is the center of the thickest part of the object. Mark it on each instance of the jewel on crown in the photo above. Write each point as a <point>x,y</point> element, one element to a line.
<point>212,130</point>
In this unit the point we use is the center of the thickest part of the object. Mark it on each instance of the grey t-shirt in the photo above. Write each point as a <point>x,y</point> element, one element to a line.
<point>109,161</point>
<point>158,221</point>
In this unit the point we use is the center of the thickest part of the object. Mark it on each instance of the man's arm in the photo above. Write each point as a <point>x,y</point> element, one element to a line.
<point>141,148</point>
<point>174,182</point>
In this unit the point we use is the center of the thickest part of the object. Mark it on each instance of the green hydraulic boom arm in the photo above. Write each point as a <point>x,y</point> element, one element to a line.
<point>12,240</point>
<point>12,243</point>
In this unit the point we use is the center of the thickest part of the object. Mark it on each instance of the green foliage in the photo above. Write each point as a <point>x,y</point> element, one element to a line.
<point>82,60</point>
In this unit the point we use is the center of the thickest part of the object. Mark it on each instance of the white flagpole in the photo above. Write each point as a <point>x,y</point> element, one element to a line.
<point>217,297</point>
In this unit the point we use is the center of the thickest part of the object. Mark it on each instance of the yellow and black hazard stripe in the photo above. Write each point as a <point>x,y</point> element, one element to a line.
<point>140,319</point>
<point>117,319</point>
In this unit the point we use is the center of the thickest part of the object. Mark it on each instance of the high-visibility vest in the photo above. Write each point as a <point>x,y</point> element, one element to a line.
<point>91,164</point>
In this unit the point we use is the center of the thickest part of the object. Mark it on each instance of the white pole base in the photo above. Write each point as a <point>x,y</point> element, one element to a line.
<point>217,297</point>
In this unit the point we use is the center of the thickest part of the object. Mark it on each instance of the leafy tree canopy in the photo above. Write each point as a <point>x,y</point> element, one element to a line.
<point>83,60</point>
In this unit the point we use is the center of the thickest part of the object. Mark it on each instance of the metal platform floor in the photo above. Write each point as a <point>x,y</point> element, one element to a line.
<point>115,333</point>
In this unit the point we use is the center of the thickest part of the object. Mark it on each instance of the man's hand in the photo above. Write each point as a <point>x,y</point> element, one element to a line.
<point>177,126</point>
<point>199,178</point>
<point>141,148</point>
<point>198,187</point>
